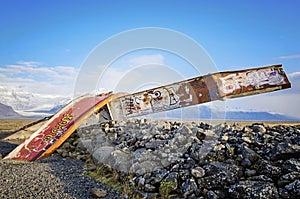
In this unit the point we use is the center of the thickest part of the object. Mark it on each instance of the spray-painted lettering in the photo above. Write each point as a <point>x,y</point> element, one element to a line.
<point>59,128</point>
<point>255,79</point>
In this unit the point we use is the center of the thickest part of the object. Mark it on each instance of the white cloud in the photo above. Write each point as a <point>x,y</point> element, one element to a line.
<point>29,71</point>
<point>297,56</point>
<point>294,75</point>
<point>19,69</point>
<point>36,83</point>
<point>295,81</point>
<point>29,63</point>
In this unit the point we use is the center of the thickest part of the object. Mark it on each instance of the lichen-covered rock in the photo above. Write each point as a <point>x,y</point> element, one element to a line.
<point>288,178</point>
<point>218,174</point>
<point>291,190</point>
<point>253,190</point>
<point>292,165</point>
<point>269,170</point>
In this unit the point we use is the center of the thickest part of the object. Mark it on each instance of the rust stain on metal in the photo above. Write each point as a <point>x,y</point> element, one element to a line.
<point>252,81</point>
<point>203,89</point>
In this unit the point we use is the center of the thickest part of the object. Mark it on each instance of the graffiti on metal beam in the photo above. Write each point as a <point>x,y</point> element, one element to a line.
<point>254,79</point>
<point>164,98</point>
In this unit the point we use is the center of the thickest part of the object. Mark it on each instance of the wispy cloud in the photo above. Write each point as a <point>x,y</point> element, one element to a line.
<point>294,75</point>
<point>28,70</point>
<point>36,77</point>
<point>19,69</point>
<point>295,81</point>
<point>297,56</point>
<point>29,63</point>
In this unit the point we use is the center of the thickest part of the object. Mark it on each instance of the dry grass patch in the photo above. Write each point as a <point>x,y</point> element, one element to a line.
<point>12,125</point>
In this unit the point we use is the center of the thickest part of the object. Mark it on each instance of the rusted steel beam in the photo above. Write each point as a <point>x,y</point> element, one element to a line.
<point>217,86</point>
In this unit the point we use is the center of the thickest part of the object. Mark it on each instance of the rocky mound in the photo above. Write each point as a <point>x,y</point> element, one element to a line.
<point>163,159</point>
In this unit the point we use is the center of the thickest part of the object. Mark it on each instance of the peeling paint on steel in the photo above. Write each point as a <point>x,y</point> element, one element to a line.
<point>202,89</point>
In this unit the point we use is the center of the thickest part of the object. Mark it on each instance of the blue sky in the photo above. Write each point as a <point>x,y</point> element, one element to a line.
<point>57,36</point>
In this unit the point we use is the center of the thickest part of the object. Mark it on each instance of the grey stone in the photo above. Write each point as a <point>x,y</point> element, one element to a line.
<point>184,130</point>
<point>253,190</point>
<point>144,167</point>
<point>189,187</point>
<point>158,176</point>
<point>85,145</point>
<point>285,150</point>
<point>212,195</point>
<point>99,193</point>
<point>269,170</point>
<point>250,154</point>
<point>219,175</point>
<point>293,189</point>
<point>262,178</point>
<point>103,154</point>
<point>247,139</point>
<point>140,182</point>
<point>259,128</point>
<point>224,137</point>
<point>288,178</point>
<point>292,165</point>
<point>246,162</point>
<point>219,147</point>
<point>149,188</point>
<point>249,172</point>
<point>198,172</point>
<point>122,161</point>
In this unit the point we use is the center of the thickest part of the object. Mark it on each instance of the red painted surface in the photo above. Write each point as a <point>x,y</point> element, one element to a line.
<point>54,129</point>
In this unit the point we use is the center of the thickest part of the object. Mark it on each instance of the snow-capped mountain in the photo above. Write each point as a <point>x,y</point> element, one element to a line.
<point>32,104</point>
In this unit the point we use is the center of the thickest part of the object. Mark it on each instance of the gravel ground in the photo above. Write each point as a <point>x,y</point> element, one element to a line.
<point>53,177</point>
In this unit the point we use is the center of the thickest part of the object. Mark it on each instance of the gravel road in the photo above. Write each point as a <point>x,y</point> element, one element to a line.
<point>53,177</point>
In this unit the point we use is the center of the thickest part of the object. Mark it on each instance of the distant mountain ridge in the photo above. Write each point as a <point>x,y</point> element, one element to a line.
<point>204,112</point>
<point>257,116</point>
<point>247,115</point>
<point>7,112</point>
